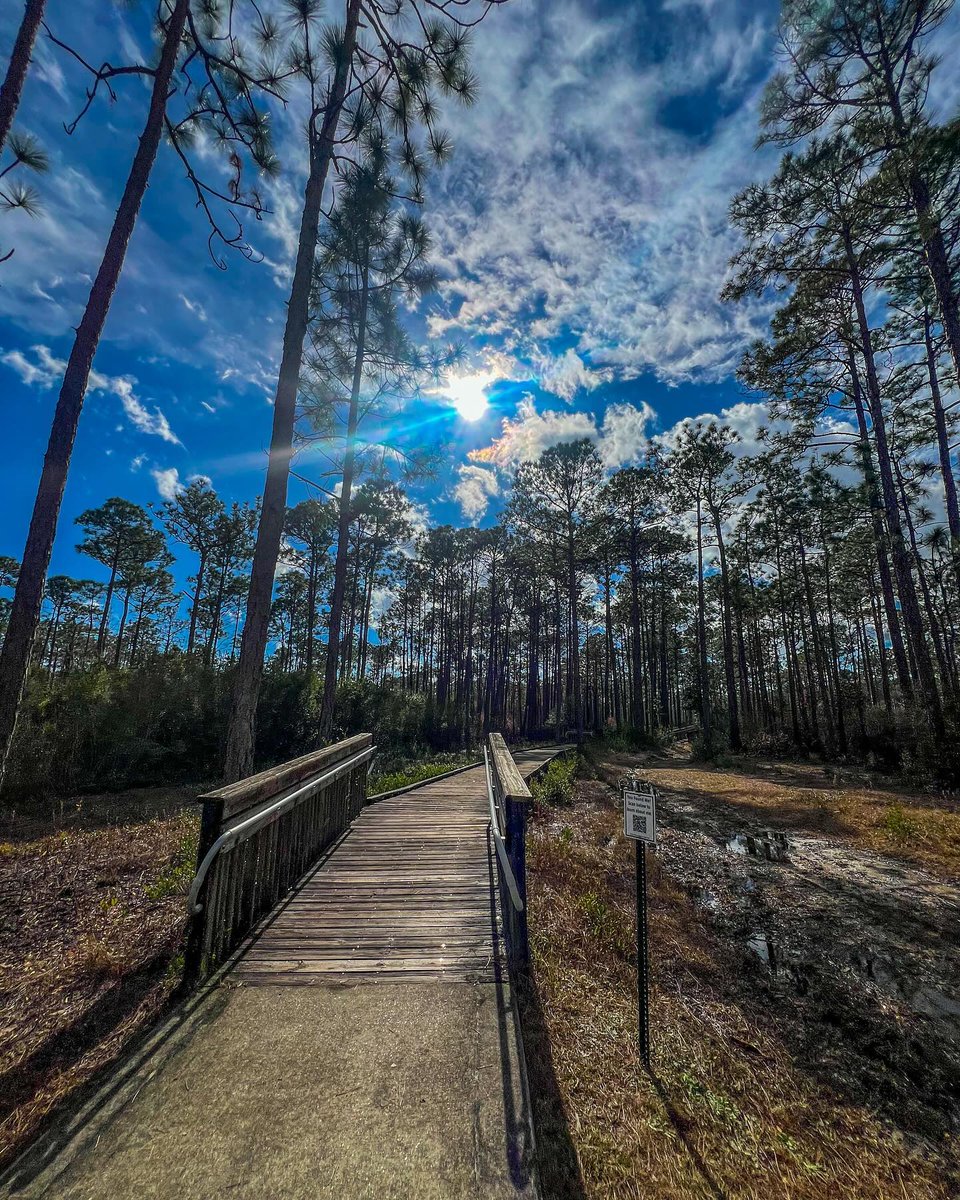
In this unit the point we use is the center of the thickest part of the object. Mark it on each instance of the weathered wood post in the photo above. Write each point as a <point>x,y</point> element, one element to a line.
<point>211,824</point>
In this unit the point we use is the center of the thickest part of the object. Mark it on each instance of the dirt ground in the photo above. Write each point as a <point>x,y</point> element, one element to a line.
<point>805,986</point>
<point>92,919</point>
<point>850,931</point>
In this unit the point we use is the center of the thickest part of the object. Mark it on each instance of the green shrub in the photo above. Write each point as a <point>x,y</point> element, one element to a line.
<point>387,780</point>
<point>554,785</point>
<point>897,824</point>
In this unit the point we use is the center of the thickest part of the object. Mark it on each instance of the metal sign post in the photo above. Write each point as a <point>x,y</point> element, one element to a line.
<point>640,824</point>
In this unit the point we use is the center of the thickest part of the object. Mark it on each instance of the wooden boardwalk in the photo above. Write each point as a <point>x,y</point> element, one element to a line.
<point>407,894</point>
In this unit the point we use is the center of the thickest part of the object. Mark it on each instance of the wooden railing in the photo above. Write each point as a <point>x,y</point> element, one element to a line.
<point>259,836</point>
<point>509,802</point>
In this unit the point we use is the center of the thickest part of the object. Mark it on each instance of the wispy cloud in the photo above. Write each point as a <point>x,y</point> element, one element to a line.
<point>46,370</point>
<point>147,421</point>
<point>193,306</point>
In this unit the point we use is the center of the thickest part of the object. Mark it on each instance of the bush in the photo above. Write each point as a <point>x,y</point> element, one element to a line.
<point>554,785</point>
<point>102,729</point>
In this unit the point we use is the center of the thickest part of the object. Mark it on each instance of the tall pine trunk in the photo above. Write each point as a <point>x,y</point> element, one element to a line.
<point>195,606</point>
<point>913,621</point>
<point>25,611</point>
<point>242,729</point>
<point>707,731</point>
<point>943,449</point>
<point>20,57</point>
<point>729,664</point>
<point>343,529</point>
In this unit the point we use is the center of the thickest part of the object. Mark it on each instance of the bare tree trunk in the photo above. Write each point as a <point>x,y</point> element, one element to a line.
<point>343,529</point>
<point>243,714</point>
<point>195,606</point>
<point>25,611</point>
<point>880,539</point>
<point>913,621</point>
<point>943,450</point>
<point>118,649</point>
<point>311,610</point>
<point>573,593</point>
<point>20,57</point>
<point>702,639</point>
<point>729,666</point>
<point>107,603</point>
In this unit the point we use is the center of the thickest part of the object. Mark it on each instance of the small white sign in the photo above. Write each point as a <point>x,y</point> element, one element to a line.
<point>640,814</point>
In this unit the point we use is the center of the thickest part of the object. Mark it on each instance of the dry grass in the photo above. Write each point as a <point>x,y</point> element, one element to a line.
<point>733,1108</point>
<point>924,829</point>
<point>90,939</point>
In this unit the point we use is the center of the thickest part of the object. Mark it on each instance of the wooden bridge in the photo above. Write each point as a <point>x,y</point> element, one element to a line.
<point>407,895</point>
<point>381,1079</point>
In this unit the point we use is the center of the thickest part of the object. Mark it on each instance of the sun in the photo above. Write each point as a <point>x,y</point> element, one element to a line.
<point>468,395</point>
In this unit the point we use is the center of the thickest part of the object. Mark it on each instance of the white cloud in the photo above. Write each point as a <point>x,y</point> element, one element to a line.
<point>475,488</point>
<point>524,438</point>
<point>139,415</point>
<point>747,418</point>
<point>194,307</point>
<point>418,517</point>
<point>46,371</point>
<point>567,375</point>
<point>577,202</point>
<point>624,435</point>
<point>168,482</point>
<point>621,438</point>
<point>381,600</point>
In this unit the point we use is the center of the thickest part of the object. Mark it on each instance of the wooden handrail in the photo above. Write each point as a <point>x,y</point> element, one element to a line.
<point>510,801</point>
<point>236,798</point>
<point>510,783</point>
<point>259,836</point>
<point>497,826</point>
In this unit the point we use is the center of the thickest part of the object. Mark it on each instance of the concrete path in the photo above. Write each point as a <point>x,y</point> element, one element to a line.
<point>407,1083</point>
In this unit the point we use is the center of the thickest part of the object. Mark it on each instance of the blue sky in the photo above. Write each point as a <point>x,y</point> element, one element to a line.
<point>580,233</point>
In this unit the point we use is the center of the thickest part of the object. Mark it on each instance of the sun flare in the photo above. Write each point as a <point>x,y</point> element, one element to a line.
<point>468,395</point>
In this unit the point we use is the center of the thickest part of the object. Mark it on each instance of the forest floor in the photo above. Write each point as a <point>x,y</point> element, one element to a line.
<point>805,984</point>
<point>92,918</point>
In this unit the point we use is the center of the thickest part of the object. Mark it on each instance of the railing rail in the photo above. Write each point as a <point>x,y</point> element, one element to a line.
<point>509,799</point>
<point>259,836</point>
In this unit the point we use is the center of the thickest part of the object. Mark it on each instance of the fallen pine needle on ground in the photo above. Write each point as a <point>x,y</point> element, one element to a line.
<point>91,939</point>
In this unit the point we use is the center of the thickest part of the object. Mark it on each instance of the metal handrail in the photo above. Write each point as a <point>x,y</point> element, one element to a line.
<point>498,841</point>
<point>244,829</point>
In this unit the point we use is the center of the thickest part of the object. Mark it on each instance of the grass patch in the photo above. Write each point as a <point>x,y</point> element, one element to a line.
<point>404,774</point>
<point>174,879</point>
<point>897,824</point>
<point>922,828</point>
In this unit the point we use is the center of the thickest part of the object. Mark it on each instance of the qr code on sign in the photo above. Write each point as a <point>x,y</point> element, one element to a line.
<point>639,824</point>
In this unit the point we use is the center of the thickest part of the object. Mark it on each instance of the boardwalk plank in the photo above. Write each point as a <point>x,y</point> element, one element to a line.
<point>407,895</point>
